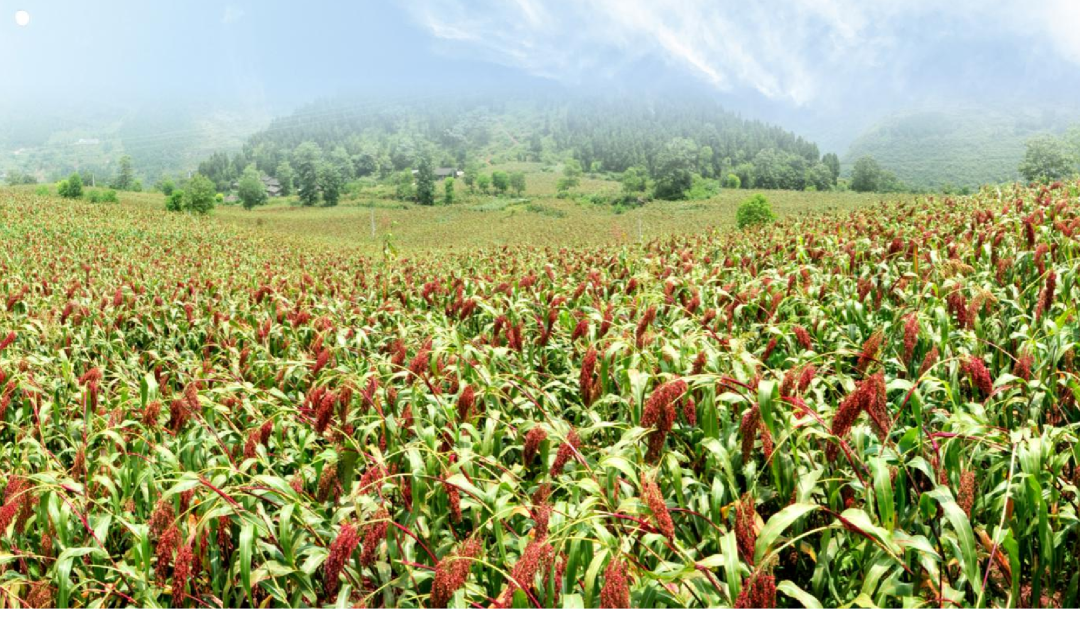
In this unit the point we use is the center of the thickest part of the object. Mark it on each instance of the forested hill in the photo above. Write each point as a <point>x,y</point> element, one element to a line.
<point>378,139</point>
<point>955,148</point>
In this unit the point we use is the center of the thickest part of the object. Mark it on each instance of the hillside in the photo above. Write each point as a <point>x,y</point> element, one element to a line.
<point>970,147</point>
<point>378,138</point>
<point>161,140</point>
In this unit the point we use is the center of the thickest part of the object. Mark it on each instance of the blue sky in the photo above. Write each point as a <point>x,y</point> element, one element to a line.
<point>787,60</point>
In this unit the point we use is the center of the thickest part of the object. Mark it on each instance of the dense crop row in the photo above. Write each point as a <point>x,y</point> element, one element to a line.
<point>875,408</point>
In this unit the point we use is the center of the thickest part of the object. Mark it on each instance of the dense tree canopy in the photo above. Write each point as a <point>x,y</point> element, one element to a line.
<point>600,135</point>
<point>1047,158</point>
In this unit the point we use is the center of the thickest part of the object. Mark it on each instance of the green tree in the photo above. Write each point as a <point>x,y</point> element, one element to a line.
<point>755,211</point>
<point>1047,158</point>
<point>71,188</point>
<point>866,175</point>
<point>330,182</point>
<point>517,182</point>
<point>305,160</point>
<point>634,180</point>
<point>126,178</point>
<point>175,202</point>
<point>571,175</point>
<point>285,175</point>
<point>167,186</point>
<point>820,177</point>
<point>483,182</point>
<point>472,170</point>
<point>403,188</point>
<point>674,169</point>
<point>425,181</point>
<point>1072,139</point>
<point>500,180</point>
<point>199,195</point>
<point>732,182</point>
<point>705,161</point>
<point>832,161</point>
<point>448,190</point>
<point>250,189</point>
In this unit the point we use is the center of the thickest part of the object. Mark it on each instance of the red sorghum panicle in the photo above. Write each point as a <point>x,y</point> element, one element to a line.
<point>869,353</point>
<point>453,496</point>
<point>90,380</point>
<point>374,532</point>
<point>643,326</point>
<point>150,414</point>
<point>465,403</point>
<point>958,306</point>
<point>452,572</point>
<point>615,595</point>
<point>845,417</point>
<point>965,498</point>
<point>328,483</point>
<point>167,543</point>
<point>533,438</point>
<point>541,510</point>
<point>659,414</point>
<point>911,336</point>
<point>699,364</point>
<point>580,330</point>
<point>537,554</point>
<point>565,453</point>
<point>323,405</point>
<point>372,479</point>
<point>748,430</point>
<point>974,367</point>
<point>181,574</point>
<point>758,592</point>
<point>655,500</point>
<point>745,529</point>
<point>1046,295</point>
<point>224,536</point>
<point>587,384</point>
<point>803,337</point>
<point>689,409</point>
<point>929,361</point>
<point>869,396</point>
<point>41,595</point>
<point>787,385</point>
<point>876,404</point>
<point>806,376</point>
<point>340,551</point>
<point>162,517</point>
<point>17,503</point>
<point>769,349</point>
<point>1022,368</point>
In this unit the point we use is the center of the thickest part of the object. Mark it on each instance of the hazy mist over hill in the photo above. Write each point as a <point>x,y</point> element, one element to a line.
<point>826,69</point>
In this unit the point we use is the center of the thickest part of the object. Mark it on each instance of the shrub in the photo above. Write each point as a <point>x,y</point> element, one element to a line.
<point>199,197</point>
<point>71,188</point>
<point>755,211</point>
<point>104,196</point>
<point>175,202</point>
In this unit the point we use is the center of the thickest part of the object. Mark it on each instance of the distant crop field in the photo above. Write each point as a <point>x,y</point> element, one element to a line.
<point>535,219</point>
<point>871,403</point>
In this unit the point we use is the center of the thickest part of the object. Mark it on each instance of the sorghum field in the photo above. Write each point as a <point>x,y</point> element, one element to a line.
<point>866,408</point>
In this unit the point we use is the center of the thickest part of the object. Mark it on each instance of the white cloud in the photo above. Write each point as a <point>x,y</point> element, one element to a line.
<point>232,15</point>
<point>783,49</point>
